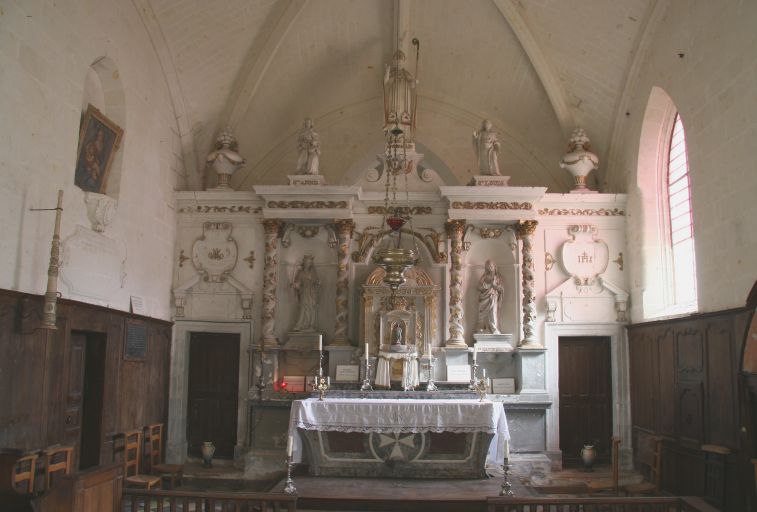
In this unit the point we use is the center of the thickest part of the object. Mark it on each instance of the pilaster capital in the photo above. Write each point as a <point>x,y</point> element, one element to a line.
<point>271,226</point>
<point>525,228</point>
<point>345,227</point>
<point>455,228</point>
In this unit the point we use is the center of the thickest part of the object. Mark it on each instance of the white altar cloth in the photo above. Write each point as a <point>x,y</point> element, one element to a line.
<point>398,416</point>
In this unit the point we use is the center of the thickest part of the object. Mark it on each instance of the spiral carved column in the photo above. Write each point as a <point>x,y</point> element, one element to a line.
<point>270,278</point>
<point>455,230</point>
<point>344,229</point>
<point>525,232</point>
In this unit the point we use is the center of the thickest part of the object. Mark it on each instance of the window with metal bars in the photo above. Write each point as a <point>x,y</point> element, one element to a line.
<point>680,225</point>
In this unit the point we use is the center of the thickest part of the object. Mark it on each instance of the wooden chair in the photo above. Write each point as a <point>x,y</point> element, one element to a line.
<point>172,472</point>
<point>23,473</point>
<point>132,457</point>
<point>754,461</point>
<point>650,457</point>
<point>57,461</point>
<point>611,484</point>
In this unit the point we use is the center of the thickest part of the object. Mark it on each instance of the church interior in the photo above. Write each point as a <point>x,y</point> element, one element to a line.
<point>378,255</point>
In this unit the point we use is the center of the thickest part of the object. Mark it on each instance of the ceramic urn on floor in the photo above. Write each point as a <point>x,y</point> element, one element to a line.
<point>208,450</point>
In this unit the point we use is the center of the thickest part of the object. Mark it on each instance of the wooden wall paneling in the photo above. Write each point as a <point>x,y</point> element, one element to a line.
<point>683,470</point>
<point>690,379</point>
<point>666,392</point>
<point>134,385</point>
<point>720,413</point>
<point>643,379</point>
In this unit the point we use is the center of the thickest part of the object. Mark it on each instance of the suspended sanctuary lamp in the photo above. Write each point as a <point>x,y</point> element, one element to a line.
<point>399,128</point>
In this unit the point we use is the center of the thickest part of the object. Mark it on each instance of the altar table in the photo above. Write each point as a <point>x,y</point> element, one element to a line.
<point>398,438</point>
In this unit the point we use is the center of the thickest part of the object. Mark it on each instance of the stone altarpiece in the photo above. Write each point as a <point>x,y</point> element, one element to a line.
<point>457,229</point>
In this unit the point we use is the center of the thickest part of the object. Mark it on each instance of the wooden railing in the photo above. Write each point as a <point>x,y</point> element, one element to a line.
<point>653,504</point>
<point>140,500</point>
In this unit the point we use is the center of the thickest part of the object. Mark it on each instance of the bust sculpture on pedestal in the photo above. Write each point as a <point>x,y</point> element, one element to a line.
<point>225,159</point>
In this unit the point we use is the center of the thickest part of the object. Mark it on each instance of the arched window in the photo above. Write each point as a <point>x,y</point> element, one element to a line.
<point>677,194</point>
<point>667,271</point>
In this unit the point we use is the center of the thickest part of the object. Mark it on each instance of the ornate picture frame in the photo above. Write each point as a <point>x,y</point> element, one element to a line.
<point>99,139</point>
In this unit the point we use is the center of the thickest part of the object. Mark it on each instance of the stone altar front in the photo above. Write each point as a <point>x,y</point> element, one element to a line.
<point>421,438</point>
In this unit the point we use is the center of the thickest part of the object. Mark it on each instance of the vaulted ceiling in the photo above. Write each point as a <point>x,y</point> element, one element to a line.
<point>536,68</point>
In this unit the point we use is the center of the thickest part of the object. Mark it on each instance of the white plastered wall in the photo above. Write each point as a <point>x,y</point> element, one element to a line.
<point>704,56</point>
<point>46,50</point>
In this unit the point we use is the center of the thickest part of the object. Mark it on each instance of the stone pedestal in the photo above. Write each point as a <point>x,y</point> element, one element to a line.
<point>489,181</point>
<point>532,372</point>
<point>306,180</point>
<point>339,354</point>
<point>493,342</point>
<point>302,340</point>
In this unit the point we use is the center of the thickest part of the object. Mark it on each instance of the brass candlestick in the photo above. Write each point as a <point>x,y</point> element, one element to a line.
<point>431,385</point>
<point>367,380</point>
<point>289,487</point>
<point>481,387</point>
<point>322,386</point>
<point>473,381</point>
<point>507,487</point>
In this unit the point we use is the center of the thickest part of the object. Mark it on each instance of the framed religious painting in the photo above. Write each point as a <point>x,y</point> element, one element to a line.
<point>99,139</point>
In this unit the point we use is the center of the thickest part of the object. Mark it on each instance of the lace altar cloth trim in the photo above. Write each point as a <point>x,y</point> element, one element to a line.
<point>399,416</point>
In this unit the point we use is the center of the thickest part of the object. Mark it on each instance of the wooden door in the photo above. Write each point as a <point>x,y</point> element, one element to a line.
<point>585,396</point>
<point>213,391</point>
<point>92,401</point>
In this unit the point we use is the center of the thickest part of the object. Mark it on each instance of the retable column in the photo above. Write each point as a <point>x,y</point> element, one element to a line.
<point>525,232</point>
<point>270,278</point>
<point>344,229</point>
<point>455,230</point>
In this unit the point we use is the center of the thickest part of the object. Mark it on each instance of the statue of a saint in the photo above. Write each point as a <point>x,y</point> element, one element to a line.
<point>306,285</point>
<point>487,149</point>
<point>399,97</point>
<point>490,293</point>
<point>397,334</point>
<point>309,148</point>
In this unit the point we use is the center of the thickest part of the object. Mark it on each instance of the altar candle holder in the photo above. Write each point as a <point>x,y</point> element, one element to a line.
<point>507,487</point>
<point>431,385</point>
<point>322,386</point>
<point>367,380</point>
<point>481,387</point>
<point>473,380</point>
<point>289,487</point>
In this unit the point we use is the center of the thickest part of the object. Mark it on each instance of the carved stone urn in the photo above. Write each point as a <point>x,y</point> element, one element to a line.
<point>224,159</point>
<point>579,161</point>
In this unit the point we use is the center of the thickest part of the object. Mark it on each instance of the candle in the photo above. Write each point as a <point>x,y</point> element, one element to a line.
<point>483,370</point>
<point>320,343</point>
<point>507,450</point>
<point>328,380</point>
<point>366,351</point>
<point>475,351</point>
<point>289,446</point>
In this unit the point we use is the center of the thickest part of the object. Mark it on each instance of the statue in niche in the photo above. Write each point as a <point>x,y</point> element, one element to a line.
<point>486,144</point>
<point>490,292</point>
<point>397,332</point>
<point>306,285</point>
<point>309,148</point>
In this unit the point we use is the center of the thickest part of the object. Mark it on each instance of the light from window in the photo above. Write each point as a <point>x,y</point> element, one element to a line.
<point>681,228</point>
